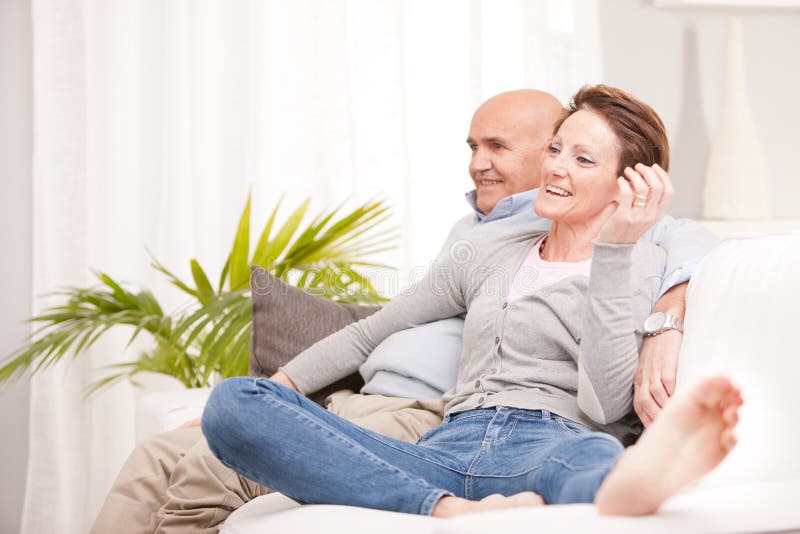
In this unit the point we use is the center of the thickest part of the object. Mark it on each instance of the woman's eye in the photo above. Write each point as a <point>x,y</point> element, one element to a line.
<point>585,160</point>
<point>497,145</point>
<point>553,149</point>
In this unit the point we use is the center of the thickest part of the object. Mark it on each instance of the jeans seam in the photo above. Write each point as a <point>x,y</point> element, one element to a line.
<point>301,413</point>
<point>514,475</point>
<point>363,432</point>
<point>246,472</point>
<point>254,383</point>
<point>468,476</point>
<point>431,500</point>
<point>236,467</point>
<point>572,467</point>
<point>471,416</point>
<point>513,427</point>
<point>355,445</point>
<point>563,426</point>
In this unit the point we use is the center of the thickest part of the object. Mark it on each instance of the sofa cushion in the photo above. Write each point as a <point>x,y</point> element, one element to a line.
<point>754,507</point>
<point>287,320</point>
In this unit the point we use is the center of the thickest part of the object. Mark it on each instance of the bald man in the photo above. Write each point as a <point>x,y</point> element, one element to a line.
<point>508,137</point>
<point>173,483</point>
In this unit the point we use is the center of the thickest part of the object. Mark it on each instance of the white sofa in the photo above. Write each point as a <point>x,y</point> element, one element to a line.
<point>741,320</point>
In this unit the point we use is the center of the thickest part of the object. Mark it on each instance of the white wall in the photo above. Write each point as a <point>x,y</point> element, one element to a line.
<point>15,246</point>
<point>674,60</point>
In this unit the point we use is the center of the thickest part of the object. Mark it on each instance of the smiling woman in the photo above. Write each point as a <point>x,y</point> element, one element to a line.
<point>580,170</point>
<point>607,160</point>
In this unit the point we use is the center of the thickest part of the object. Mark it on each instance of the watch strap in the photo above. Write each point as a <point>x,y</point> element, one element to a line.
<point>671,322</point>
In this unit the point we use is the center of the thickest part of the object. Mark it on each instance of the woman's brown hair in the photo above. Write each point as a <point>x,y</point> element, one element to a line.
<point>641,134</point>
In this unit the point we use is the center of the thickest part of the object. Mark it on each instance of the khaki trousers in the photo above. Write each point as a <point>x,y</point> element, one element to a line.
<point>172,483</point>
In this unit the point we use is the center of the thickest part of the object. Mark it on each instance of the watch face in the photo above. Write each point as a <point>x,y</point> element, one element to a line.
<point>655,322</point>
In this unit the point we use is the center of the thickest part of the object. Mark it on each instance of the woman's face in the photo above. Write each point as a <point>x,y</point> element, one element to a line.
<point>579,173</point>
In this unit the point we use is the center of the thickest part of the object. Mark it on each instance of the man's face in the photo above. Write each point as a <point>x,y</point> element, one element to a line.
<point>508,147</point>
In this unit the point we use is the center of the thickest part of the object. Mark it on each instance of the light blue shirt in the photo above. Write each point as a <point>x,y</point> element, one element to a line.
<point>506,207</point>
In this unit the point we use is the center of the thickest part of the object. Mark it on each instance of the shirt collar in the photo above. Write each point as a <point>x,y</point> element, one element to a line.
<point>506,207</point>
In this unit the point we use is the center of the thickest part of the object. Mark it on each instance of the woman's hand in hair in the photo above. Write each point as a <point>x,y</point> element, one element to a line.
<point>644,193</point>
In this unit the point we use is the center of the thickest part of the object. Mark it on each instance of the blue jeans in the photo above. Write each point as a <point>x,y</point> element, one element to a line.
<point>281,439</point>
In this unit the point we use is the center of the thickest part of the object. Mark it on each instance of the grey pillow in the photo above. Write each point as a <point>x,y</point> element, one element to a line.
<point>287,320</point>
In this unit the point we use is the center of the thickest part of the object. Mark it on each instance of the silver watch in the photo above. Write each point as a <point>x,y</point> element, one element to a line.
<point>659,322</point>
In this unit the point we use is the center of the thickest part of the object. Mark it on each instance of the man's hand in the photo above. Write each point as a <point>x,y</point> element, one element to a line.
<point>190,424</point>
<point>282,378</point>
<point>654,382</point>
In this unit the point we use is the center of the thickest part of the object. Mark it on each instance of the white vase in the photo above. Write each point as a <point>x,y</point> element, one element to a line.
<point>737,176</point>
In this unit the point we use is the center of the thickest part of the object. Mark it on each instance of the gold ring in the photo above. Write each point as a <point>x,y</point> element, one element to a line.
<point>639,204</point>
<point>640,197</point>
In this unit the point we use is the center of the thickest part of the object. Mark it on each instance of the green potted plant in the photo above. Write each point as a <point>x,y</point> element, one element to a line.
<point>209,339</point>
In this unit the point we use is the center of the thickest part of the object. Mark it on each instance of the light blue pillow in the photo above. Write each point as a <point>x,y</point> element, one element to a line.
<point>417,363</point>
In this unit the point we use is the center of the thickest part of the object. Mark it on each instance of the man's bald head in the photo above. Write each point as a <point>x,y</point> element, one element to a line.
<point>535,110</point>
<point>508,136</point>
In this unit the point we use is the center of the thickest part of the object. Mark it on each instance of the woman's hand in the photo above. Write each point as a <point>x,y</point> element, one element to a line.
<point>282,378</point>
<point>643,195</point>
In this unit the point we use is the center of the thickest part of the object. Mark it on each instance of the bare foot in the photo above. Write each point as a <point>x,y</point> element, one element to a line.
<point>452,506</point>
<point>689,438</point>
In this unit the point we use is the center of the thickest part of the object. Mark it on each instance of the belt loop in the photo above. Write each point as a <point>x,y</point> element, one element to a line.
<point>447,417</point>
<point>545,415</point>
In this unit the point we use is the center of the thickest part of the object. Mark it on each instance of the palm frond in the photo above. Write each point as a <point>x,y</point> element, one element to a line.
<point>240,254</point>
<point>204,290</point>
<point>77,324</point>
<point>260,253</point>
<point>209,338</point>
<point>174,280</point>
<point>327,246</point>
<point>275,248</point>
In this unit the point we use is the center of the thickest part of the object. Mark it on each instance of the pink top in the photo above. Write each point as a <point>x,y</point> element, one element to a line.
<point>536,273</point>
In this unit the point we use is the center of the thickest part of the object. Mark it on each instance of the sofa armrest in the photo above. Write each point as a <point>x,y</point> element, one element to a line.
<point>167,410</point>
<point>741,317</point>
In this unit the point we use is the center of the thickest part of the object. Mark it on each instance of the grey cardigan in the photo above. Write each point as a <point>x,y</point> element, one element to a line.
<point>570,348</point>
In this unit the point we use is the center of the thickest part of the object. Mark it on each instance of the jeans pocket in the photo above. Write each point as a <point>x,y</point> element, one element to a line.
<point>427,434</point>
<point>571,426</point>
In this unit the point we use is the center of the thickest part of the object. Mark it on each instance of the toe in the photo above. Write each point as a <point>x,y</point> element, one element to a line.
<point>730,416</point>
<point>713,391</point>
<point>728,440</point>
<point>536,498</point>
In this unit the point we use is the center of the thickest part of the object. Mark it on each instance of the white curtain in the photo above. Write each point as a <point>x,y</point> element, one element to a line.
<point>154,118</point>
